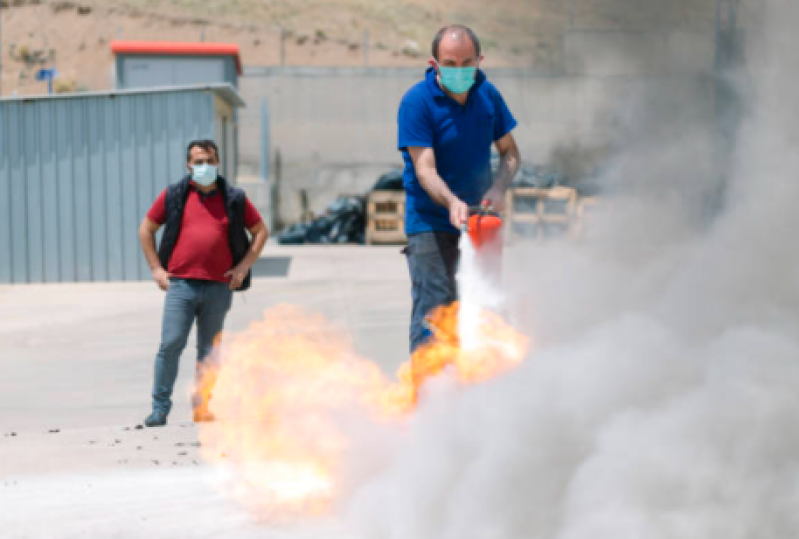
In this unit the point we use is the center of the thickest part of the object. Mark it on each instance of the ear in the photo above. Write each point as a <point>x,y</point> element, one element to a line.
<point>432,63</point>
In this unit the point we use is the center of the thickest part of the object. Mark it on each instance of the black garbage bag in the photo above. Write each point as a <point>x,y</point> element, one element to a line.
<point>343,222</point>
<point>390,181</point>
<point>530,175</point>
<point>293,235</point>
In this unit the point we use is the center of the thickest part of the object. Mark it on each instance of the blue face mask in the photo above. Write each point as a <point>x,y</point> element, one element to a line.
<point>204,174</point>
<point>457,80</point>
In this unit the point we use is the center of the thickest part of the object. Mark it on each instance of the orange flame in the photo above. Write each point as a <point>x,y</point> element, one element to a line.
<point>280,384</point>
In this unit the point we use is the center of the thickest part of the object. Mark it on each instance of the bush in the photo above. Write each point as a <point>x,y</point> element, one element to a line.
<point>64,85</point>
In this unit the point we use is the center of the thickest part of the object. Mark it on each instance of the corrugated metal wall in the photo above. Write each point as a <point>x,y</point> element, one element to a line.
<point>78,174</point>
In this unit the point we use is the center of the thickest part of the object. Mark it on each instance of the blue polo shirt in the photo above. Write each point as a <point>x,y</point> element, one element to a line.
<point>461,137</point>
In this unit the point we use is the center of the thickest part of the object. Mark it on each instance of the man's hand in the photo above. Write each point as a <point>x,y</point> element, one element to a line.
<point>161,277</point>
<point>237,276</point>
<point>494,198</point>
<point>458,212</point>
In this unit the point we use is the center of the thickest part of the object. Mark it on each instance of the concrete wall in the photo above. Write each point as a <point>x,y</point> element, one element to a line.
<point>335,128</point>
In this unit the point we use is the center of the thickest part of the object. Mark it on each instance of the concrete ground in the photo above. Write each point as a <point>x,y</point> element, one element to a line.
<point>76,364</point>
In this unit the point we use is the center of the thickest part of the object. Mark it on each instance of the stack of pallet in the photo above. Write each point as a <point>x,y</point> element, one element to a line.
<point>541,213</point>
<point>586,206</point>
<point>385,217</point>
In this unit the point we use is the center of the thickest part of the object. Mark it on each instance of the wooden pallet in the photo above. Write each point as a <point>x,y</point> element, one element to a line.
<point>385,217</point>
<point>546,212</point>
<point>585,207</point>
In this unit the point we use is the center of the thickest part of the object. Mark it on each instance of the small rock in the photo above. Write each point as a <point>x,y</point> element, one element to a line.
<point>411,48</point>
<point>54,431</point>
<point>182,453</point>
<point>139,427</point>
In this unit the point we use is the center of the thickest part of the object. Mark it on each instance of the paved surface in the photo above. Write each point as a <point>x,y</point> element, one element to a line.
<point>76,363</point>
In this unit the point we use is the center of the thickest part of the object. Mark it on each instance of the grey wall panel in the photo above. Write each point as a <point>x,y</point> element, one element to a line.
<point>5,199</point>
<point>33,193</point>
<point>47,156</point>
<point>78,174</point>
<point>113,184</point>
<point>97,189</point>
<point>144,167</point>
<point>81,194</point>
<point>176,148</point>
<point>129,176</point>
<point>18,225</point>
<point>145,71</point>
<point>65,192</point>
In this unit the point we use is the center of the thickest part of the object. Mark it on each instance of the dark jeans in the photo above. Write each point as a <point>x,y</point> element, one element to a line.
<point>186,300</point>
<point>432,261</point>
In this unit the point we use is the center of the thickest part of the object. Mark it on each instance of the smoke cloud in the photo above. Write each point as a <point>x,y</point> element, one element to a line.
<point>659,400</point>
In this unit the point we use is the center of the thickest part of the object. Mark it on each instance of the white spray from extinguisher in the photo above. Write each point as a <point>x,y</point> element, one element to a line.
<point>479,287</point>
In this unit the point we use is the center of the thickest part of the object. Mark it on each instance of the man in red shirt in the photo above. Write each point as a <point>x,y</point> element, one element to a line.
<point>205,254</point>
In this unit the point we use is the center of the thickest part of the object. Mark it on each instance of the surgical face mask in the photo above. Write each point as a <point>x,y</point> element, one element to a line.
<point>204,174</point>
<point>457,80</point>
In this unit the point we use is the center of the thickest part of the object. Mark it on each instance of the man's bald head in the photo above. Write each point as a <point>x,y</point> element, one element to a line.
<point>456,32</point>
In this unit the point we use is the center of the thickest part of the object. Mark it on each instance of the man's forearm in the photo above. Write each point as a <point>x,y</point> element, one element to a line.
<point>436,187</point>
<point>148,247</point>
<point>256,246</point>
<point>508,166</point>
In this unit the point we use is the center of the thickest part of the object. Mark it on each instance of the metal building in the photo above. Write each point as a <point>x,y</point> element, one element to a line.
<point>142,64</point>
<point>78,172</point>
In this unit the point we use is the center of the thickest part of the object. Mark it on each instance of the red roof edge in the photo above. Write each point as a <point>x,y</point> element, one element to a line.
<point>177,48</point>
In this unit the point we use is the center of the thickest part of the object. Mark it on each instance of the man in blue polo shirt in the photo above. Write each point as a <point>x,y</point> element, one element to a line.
<point>447,125</point>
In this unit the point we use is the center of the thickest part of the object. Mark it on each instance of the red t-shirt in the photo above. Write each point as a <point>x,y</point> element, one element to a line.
<point>202,250</point>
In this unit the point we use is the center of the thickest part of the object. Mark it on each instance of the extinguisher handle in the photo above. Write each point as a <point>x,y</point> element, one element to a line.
<point>483,211</point>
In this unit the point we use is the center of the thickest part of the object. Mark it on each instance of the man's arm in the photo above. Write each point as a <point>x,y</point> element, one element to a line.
<point>509,161</point>
<point>147,231</point>
<point>424,162</point>
<point>259,236</point>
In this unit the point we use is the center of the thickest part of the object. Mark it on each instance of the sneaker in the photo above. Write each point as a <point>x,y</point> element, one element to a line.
<point>155,419</point>
<point>202,415</point>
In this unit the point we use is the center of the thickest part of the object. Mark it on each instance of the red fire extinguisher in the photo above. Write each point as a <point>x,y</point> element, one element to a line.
<point>484,226</point>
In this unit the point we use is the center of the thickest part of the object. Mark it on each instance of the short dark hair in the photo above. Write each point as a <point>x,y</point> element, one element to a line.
<point>458,28</point>
<point>206,144</point>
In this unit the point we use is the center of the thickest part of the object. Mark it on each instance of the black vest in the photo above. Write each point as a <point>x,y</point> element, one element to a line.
<point>235,199</point>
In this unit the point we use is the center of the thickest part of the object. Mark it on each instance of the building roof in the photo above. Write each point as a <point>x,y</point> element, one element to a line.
<point>174,48</point>
<point>223,90</point>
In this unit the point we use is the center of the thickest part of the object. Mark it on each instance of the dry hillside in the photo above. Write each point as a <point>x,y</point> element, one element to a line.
<point>74,36</point>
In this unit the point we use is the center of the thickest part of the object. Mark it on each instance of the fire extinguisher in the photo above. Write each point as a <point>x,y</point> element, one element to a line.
<point>484,226</point>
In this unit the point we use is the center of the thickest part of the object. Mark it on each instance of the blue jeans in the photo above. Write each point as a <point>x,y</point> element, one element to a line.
<point>186,300</point>
<point>432,262</point>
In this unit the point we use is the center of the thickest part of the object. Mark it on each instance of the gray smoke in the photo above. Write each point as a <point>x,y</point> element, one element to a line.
<point>659,400</point>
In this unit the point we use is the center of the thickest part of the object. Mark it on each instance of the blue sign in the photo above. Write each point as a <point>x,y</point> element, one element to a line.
<point>48,75</point>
